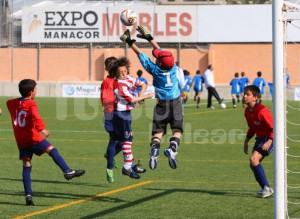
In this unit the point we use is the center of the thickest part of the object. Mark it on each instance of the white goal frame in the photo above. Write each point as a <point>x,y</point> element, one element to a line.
<point>282,12</point>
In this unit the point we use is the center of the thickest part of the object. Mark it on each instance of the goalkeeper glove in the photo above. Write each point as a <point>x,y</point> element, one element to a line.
<point>144,33</point>
<point>126,38</point>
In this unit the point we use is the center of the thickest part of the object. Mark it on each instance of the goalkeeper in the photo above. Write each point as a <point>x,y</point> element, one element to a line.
<point>168,109</point>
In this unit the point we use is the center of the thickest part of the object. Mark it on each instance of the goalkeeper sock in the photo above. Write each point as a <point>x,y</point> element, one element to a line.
<point>174,143</point>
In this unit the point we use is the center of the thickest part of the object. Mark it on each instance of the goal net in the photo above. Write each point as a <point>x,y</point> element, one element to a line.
<point>286,21</point>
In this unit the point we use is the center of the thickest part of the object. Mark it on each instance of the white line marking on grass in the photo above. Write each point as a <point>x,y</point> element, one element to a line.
<point>82,200</point>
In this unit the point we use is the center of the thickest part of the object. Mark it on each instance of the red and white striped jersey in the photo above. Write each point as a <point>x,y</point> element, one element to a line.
<point>125,91</point>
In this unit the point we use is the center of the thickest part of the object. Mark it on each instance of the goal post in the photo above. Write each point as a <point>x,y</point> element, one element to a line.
<point>283,13</point>
<point>280,208</point>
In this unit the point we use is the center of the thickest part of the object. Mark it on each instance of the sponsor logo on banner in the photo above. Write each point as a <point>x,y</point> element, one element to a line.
<point>70,24</point>
<point>81,91</point>
<point>60,25</point>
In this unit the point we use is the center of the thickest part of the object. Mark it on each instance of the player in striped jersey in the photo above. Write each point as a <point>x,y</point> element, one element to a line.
<point>126,98</point>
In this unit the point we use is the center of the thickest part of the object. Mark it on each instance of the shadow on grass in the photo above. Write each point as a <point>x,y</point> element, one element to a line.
<point>47,194</point>
<point>56,195</point>
<point>73,181</point>
<point>159,195</point>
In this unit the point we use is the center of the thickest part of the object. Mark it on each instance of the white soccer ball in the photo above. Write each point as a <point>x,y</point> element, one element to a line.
<point>128,17</point>
<point>223,105</point>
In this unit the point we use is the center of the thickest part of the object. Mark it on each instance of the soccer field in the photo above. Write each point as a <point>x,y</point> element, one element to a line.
<point>213,178</point>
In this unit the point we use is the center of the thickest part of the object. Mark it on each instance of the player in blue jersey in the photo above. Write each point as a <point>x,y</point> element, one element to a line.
<point>235,89</point>
<point>139,73</point>
<point>287,79</point>
<point>197,83</point>
<point>187,86</point>
<point>244,83</point>
<point>260,83</point>
<point>168,109</point>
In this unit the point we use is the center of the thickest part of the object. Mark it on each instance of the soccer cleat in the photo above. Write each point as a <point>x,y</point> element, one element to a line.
<point>110,175</point>
<point>234,106</point>
<point>29,200</point>
<point>212,107</point>
<point>73,173</point>
<point>131,173</point>
<point>115,161</point>
<point>136,168</point>
<point>153,158</point>
<point>171,156</point>
<point>266,192</point>
<point>260,192</point>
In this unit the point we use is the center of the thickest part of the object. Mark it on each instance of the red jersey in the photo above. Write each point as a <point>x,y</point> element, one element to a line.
<point>26,120</point>
<point>260,122</point>
<point>107,94</point>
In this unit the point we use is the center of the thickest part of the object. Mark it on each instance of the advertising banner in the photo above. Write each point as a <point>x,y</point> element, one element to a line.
<point>102,24</point>
<point>81,91</point>
<point>88,91</point>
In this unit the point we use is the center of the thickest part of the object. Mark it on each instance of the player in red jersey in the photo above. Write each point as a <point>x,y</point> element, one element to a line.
<point>108,100</point>
<point>27,125</point>
<point>260,123</point>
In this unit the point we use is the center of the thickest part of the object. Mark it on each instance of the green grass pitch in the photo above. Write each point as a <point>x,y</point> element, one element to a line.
<point>213,178</point>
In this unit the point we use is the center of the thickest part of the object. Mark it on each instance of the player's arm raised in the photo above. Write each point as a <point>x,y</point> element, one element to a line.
<point>145,34</point>
<point>126,38</point>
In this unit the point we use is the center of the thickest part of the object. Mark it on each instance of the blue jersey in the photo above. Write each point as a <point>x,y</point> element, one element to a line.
<point>235,86</point>
<point>165,82</point>
<point>244,82</point>
<point>260,83</point>
<point>287,79</point>
<point>187,83</point>
<point>198,80</point>
<point>138,89</point>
